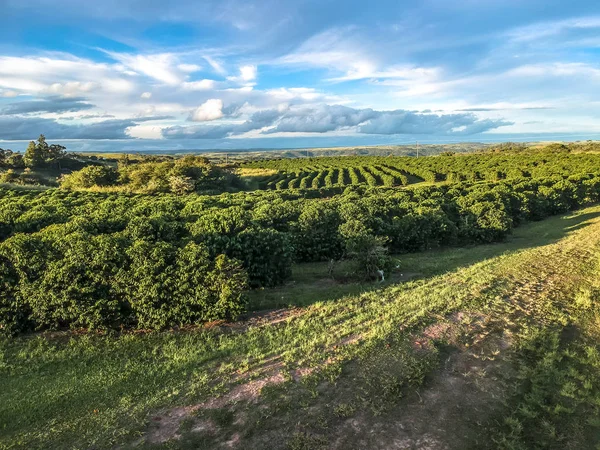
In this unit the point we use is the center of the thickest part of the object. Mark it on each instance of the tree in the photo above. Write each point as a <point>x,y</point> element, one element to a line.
<point>15,160</point>
<point>55,151</point>
<point>34,156</point>
<point>40,153</point>
<point>4,154</point>
<point>368,252</point>
<point>9,176</point>
<point>124,160</point>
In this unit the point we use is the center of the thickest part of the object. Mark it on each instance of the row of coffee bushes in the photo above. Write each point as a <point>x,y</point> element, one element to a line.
<point>236,224</point>
<point>64,276</point>
<point>107,260</point>
<point>309,224</point>
<point>453,168</point>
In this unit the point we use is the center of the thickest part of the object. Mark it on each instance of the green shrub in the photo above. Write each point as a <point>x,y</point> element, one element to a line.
<point>75,279</point>
<point>368,252</point>
<point>168,286</point>
<point>90,176</point>
<point>127,257</point>
<point>315,234</point>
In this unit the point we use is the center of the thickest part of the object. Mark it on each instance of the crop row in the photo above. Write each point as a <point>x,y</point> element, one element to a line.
<point>393,171</point>
<point>336,177</point>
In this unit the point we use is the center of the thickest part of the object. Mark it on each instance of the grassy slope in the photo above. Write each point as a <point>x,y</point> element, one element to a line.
<point>328,372</point>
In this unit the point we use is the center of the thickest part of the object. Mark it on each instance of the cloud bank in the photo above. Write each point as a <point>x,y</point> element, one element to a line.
<point>47,105</point>
<point>27,128</point>
<point>330,118</point>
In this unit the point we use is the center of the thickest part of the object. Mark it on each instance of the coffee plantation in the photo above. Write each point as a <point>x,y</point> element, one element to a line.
<point>81,259</point>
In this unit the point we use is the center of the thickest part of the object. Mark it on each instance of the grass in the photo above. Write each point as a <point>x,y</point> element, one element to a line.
<point>252,172</point>
<point>556,400</point>
<point>347,353</point>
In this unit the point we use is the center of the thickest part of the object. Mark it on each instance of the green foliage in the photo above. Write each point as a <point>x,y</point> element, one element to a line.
<point>76,285</point>
<point>315,233</point>
<point>266,253</point>
<point>10,159</point>
<point>62,379</point>
<point>64,277</point>
<point>10,176</point>
<point>179,176</point>
<point>59,235</point>
<point>499,162</point>
<point>34,156</point>
<point>170,286</point>
<point>90,176</point>
<point>40,153</point>
<point>181,185</point>
<point>368,252</point>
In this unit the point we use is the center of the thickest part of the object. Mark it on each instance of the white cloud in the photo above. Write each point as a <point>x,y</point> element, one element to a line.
<point>335,118</point>
<point>216,65</point>
<point>288,94</point>
<point>145,132</point>
<point>200,85</point>
<point>8,94</point>
<point>73,88</point>
<point>189,68</point>
<point>546,29</point>
<point>114,91</point>
<point>556,70</point>
<point>161,66</point>
<point>212,109</point>
<point>64,75</point>
<point>247,75</point>
<point>240,89</point>
<point>348,59</point>
<point>334,49</point>
<point>409,74</point>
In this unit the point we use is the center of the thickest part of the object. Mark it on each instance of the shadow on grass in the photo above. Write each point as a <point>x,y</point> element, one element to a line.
<point>310,282</point>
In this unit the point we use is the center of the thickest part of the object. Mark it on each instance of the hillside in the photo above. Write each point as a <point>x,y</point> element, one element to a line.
<point>466,354</point>
<point>445,302</point>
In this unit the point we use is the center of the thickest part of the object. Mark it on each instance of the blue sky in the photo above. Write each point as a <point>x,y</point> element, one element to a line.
<point>144,74</point>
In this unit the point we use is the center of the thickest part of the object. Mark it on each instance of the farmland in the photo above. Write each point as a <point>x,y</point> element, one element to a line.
<point>329,172</point>
<point>216,319</point>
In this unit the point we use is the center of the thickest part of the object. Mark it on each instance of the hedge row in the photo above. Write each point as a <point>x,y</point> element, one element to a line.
<point>66,277</point>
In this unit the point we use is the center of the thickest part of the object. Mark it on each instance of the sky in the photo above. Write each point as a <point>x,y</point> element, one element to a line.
<point>133,75</point>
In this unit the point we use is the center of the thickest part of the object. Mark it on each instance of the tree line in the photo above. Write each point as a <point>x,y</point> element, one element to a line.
<point>181,176</point>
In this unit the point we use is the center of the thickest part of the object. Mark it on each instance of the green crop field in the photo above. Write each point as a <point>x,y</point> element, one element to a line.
<point>329,172</point>
<point>336,303</point>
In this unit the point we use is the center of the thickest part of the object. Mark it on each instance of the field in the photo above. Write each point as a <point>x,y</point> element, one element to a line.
<point>348,362</point>
<point>372,171</point>
<point>252,319</point>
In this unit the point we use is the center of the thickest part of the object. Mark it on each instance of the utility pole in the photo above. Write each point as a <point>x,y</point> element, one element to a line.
<point>417,149</point>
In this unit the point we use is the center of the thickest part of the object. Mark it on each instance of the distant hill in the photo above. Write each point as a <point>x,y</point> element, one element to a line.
<point>375,150</point>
